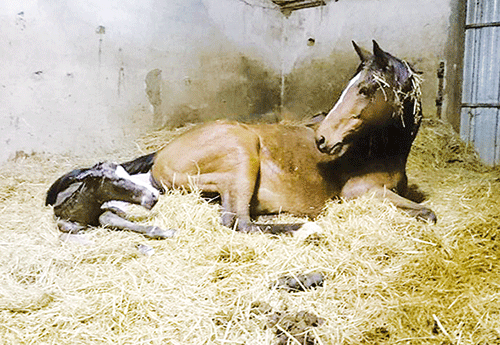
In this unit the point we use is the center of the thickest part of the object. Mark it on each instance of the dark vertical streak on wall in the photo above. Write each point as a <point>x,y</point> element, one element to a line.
<point>100,30</point>
<point>153,91</point>
<point>439,96</point>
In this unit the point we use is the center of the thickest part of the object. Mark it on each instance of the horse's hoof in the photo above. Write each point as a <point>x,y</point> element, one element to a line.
<point>427,215</point>
<point>157,233</point>
<point>145,249</point>
<point>424,214</point>
<point>69,227</point>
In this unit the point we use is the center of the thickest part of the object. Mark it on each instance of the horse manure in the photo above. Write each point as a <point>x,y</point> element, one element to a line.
<point>300,282</point>
<point>260,308</point>
<point>290,327</point>
<point>376,335</point>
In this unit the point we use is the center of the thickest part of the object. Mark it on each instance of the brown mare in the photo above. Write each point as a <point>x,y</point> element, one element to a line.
<point>360,147</point>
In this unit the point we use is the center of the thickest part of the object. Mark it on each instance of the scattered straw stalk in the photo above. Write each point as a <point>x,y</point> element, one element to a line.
<point>389,279</point>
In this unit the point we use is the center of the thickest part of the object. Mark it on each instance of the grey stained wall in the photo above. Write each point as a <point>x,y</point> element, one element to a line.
<point>90,76</point>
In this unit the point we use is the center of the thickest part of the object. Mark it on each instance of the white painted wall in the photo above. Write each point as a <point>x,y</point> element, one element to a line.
<point>66,88</point>
<point>416,30</point>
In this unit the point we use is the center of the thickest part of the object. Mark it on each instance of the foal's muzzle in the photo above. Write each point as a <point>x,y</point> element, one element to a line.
<point>148,201</point>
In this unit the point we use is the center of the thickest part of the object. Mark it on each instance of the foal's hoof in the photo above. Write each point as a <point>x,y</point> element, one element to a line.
<point>157,233</point>
<point>69,226</point>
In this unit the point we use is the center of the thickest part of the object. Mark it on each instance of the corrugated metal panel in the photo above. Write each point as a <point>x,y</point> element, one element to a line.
<point>480,118</point>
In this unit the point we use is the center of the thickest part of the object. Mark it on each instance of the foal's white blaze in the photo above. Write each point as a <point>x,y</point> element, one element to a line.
<point>348,87</point>
<point>139,179</point>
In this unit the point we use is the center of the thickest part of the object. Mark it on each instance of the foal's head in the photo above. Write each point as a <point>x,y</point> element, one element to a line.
<point>373,99</point>
<point>111,182</point>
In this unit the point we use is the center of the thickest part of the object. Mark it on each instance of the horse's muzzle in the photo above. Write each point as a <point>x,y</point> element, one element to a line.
<point>321,144</point>
<point>323,147</point>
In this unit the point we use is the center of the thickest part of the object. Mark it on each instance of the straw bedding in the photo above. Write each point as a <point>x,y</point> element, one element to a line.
<point>388,279</point>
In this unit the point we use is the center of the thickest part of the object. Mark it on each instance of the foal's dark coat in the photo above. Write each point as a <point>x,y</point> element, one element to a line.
<point>82,198</point>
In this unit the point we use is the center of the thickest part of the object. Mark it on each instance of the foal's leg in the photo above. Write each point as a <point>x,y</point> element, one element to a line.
<point>121,208</point>
<point>116,222</point>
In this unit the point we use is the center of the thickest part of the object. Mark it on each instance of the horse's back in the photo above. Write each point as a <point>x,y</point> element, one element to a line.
<point>211,149</point>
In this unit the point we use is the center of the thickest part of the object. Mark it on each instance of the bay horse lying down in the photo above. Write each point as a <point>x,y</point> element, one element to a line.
<point>99,196</point>
<point>360,147</point>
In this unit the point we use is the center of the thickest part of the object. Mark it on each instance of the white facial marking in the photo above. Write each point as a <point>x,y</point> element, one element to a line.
<point>139,179</point>
<point>122,173</point>
<point>348,87</point>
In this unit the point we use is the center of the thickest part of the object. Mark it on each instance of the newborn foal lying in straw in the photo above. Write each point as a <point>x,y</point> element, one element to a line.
<point>100,195</point>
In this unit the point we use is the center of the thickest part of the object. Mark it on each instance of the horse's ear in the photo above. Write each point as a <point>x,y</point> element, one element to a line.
<point>363,54</point>
<point>381,57</point>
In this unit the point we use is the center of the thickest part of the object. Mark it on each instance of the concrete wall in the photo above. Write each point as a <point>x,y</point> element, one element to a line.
<point>90,76</point>
<point>424,32</point>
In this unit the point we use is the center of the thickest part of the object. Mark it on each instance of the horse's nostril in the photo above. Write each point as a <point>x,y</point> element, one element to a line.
<point>320,142</point>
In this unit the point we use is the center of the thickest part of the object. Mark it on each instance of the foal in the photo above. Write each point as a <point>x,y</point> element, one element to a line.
<point>98,196</point>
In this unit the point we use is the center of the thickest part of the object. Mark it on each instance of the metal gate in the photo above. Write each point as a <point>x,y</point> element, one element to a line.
<point>480,117</point>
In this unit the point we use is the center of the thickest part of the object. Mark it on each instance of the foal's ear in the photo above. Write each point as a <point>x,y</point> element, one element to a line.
<point>381,57</point>
<point>363,54</point>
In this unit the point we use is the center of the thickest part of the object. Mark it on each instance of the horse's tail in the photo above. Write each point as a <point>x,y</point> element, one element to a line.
<point>139,165</point>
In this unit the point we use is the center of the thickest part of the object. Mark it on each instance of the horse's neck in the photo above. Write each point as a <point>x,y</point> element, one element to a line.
<point>392,141</point>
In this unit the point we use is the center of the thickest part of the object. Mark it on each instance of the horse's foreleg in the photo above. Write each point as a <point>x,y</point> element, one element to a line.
<point>114,221</point>
<point>412,208</point>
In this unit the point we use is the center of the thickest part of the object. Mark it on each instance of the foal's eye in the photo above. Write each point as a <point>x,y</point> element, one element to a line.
<point>364,91</point>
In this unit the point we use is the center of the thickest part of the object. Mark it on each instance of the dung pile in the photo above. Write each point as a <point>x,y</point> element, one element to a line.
<point>386,278</point>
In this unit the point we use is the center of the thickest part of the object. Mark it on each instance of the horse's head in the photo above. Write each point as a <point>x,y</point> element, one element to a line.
<point>372,99</point>
<point>111,182</point>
